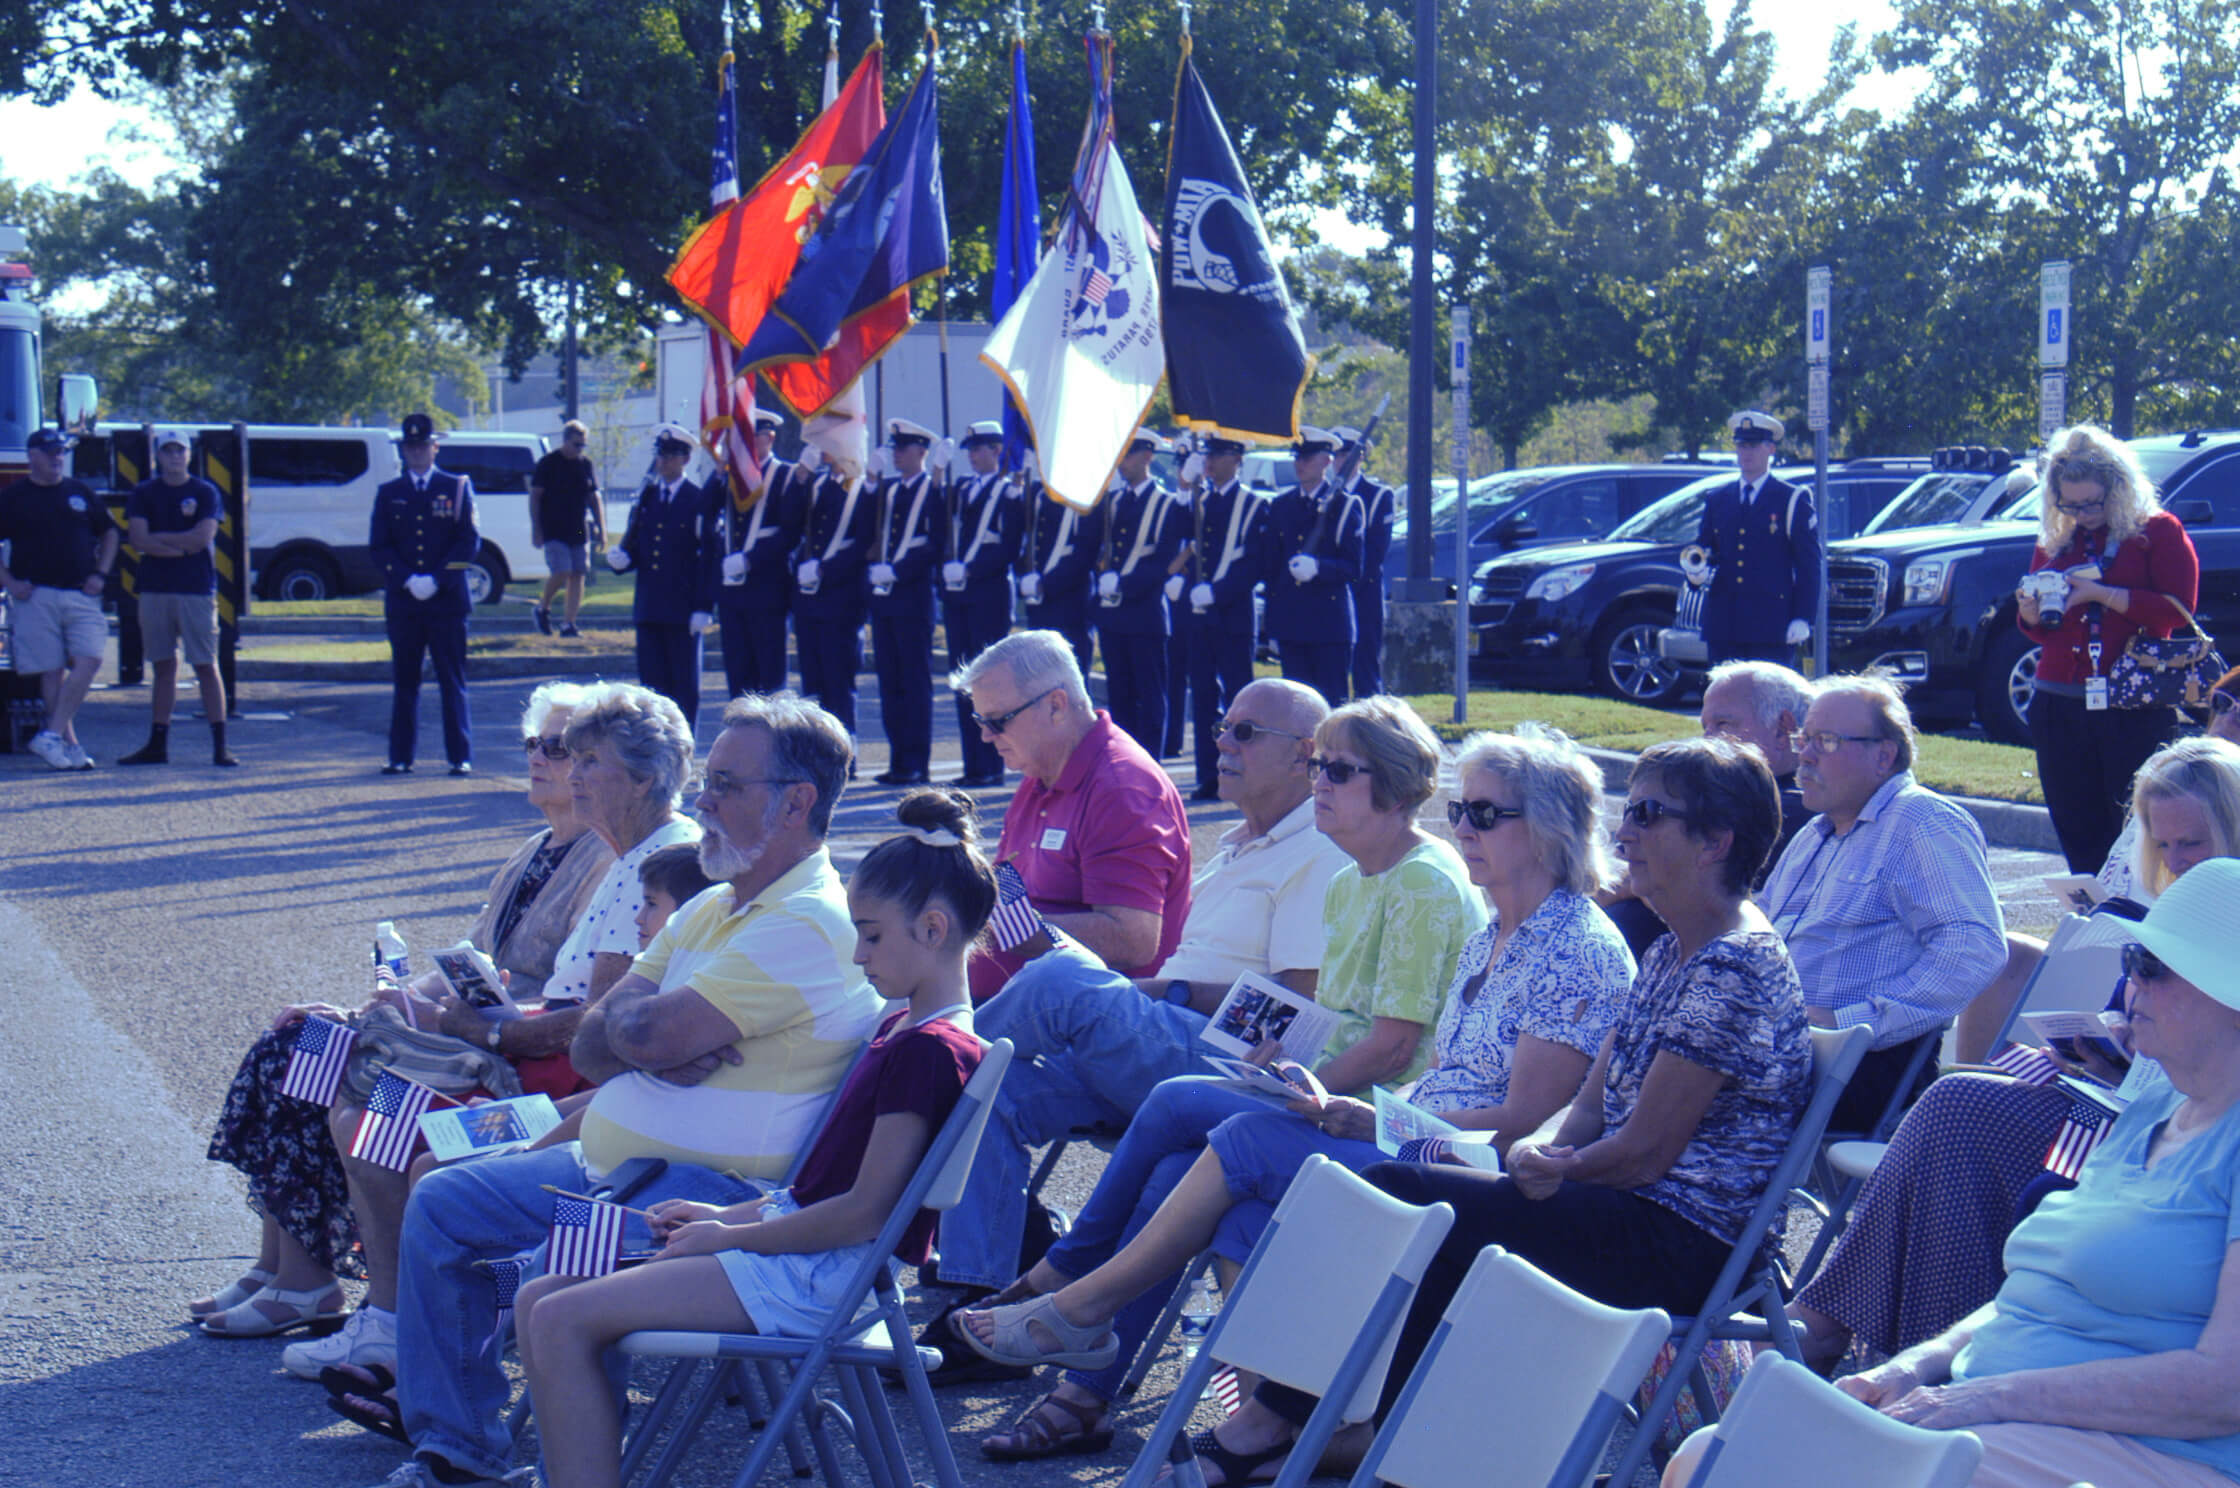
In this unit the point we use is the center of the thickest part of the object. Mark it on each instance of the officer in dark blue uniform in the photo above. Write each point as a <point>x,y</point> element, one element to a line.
<point>1228,549</point>
<point>980,542</point>
<point>674,541</point>
<point>1761,538</point>
<point>1379,507</point>
<point>757,586</point>
<point>1056,564</point>
<point>424,536</point>
<point>1133,571</point>
<point>912,511</point>
<point>831,593</point>
<point>1315,538</point>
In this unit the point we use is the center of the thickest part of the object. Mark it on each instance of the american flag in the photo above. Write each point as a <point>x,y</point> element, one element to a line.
<point>505,1280</point>
<point>1424,1150</point>
<point>390,1128</point>
<point>2028,1065</point>
<point>586,1237</point>
<point>2072,1145</point>
<point>1016,920</point>
<point>727,402</point>
<point>1222,1388</point>
<point>321,1050</point>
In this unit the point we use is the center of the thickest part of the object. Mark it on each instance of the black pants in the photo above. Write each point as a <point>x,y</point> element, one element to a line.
<point>1321,665</point>
<point>1220,668</point>
<point>2085,763</point>
<point>972,622</point>
<point>443,640</point>
<point>831,653</point>
<point>1135,679</point>
<point>1178,681</point>
<point>902,654</point>
<point>754,648</point>
<point>1616,1247</point>
<point>1863,1100</point>
<point>1368,642</point>
<point>669,658</point>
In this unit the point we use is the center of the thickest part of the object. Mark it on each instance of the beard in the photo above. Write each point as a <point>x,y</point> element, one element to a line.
<point>720,857</point>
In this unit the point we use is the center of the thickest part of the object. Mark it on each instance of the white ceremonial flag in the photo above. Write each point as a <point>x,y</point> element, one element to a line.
<point>1080,349</point>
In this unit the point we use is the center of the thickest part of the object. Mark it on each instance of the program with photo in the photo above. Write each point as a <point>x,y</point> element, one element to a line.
<point>472,979</point>
<point>492,1126</point>
<point>1257,1009</point>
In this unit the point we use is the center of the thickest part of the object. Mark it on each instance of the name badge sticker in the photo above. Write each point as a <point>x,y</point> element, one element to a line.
<point>2096,694</point>
<point>1053,839</point>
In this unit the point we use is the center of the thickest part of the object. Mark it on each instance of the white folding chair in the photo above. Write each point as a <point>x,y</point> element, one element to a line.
<point>1746,1302</point>
<point>1523,1365</point>
<point>1317,1307</point>
<point>1789,1426</point>
<point>867,1333</point>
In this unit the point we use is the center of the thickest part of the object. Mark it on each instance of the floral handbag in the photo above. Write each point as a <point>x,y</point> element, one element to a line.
<point>2172,672</point>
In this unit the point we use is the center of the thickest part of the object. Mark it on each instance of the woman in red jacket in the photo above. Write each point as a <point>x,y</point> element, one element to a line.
<point>2130,568</point>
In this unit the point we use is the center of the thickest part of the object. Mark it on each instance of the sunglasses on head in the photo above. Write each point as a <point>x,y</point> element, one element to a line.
<point>1483,816</point>
<point>551,749</point>
<point>1244,731</point>
<point>1337,772</point>
<point>1648,811</point>
<point>2143,965</point>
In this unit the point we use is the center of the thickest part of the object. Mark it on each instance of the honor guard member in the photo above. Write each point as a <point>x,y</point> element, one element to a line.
<point>1379,507</point>
<point>1226,551</point>
<point>1134,581</point>
<point>911,513</point>
<point>757,569</point>
<point>674,544</point>
<point>423,538</point>
<point>1315,539</point>
<point>838,518</point>
<point>1182,518</point>
<point>1761,538</point>
<point>980,542</point>
<point>1057,567</point>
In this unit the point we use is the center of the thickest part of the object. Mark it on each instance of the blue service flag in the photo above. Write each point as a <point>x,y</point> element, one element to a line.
<point>887,229</point>
<point>1018,233</point>
<point>1237,364</point>
<point>723,180</point>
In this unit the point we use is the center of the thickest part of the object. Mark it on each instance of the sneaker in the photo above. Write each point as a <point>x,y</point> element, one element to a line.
<point>543,617</point>
<point>48,745</point>
<point>79,759</point>
<point>569,632</point>
<point>368,1338</point>
<point>417,1474</point>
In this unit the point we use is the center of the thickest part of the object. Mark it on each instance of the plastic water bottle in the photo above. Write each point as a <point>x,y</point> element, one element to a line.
<point>1198,1312</point>
<point>389,950</point>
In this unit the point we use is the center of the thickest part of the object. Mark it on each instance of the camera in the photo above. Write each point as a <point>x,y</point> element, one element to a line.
<point>2051,589</point>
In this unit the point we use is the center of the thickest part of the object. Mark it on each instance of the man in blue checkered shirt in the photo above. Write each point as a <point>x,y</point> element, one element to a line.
<point>1885,896</point>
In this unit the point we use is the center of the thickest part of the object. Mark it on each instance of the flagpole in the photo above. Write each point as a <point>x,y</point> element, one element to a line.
<point>941,290</point>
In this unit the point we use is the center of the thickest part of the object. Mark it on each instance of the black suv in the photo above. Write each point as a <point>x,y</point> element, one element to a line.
<point>1564,618</point>
<point>1935,605</point>
<point>1543,505</point>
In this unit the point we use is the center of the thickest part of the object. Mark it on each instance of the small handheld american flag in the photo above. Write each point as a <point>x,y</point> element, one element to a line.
<point>390,1127</point>
<point>505,1279</point>
<point>1424,1150</point>
<point>321,1050</point>
<point>2074,1143</point>
<point>2028,1065</point>
<point>1016,920</point>
<point>586,1237</point>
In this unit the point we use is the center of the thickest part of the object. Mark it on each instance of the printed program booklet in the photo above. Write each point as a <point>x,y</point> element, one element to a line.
<point>493,1126</point>
<point>1413,1134</point>
<point>474,981</point>
<point>1257,1009</point>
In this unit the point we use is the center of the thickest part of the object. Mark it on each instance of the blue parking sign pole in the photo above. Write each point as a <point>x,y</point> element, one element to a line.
<point>1461,378</point>
<point>1818,293</point>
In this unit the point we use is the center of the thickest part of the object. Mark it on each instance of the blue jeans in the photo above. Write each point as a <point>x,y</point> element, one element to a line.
<point>451,1386</point>
<point>1088,1049</point>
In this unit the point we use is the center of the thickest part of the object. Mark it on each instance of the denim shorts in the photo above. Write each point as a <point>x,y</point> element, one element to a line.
<point>790,1294</point>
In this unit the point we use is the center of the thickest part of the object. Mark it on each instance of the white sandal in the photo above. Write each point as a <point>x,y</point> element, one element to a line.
<point>234,1293</point>
<point>1080,1345</point>
<point>255,1323</point>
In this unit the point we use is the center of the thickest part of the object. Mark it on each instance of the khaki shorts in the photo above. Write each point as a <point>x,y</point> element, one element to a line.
<point>55,625</point>
<point>180,622</point>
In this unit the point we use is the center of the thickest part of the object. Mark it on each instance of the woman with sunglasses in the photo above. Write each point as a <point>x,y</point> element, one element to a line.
<point>1636,1192</point>
<point>1200,1158</point>
<point>2112,1350</point>
<point>2131,568</point>
<point>296,1180</point>
<point>1922,1246</point>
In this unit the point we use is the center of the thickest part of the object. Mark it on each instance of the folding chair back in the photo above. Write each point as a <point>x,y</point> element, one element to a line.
<point>1523,1365</point>
<point>1789,1426</point>
<point>2079,969</point>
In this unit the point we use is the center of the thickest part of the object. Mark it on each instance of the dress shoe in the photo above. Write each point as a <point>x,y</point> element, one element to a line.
<point>980,782</point>
<point>1205,797</point>
<point>462,768</point>
<point>903,777</point>
<point>396,767</point>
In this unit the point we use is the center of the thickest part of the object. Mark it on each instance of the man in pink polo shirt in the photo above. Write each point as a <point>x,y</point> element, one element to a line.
<point>1096,829</point>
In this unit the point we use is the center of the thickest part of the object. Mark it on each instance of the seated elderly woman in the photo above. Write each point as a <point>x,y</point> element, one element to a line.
<point>1532,995</point>
<point>1922,1249</point>
<point>1637,1191</point>
<point>627,755</point>
<point>2112,1351</point>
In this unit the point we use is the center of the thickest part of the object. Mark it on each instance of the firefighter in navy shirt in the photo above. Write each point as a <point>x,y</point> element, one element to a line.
<point>173,520</point>
<point>423,538</point>
<point>1315,535</point>
<point>1761,537</point>
<point>757,587</point>
<point>62,550</point>
<point>980,542</point>
<point>1134,580</point>
<point>673,543</point>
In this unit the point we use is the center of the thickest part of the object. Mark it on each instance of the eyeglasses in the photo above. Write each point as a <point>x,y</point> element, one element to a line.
<point>551,749</point>
<point>2079,508</point>
<point>1648,811</point>
<point>1002,721</point>
<point>1483,816</point>
<point>1827,741</point>
<point>1337,772</point>
<point>1244,731</point>
<point>2221,703</point>
<point>724,787</point>
<point>2143,965</point>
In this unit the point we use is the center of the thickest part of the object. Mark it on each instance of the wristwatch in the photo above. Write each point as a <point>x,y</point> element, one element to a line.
<point>1178,992</point>
<point>492,1037</point>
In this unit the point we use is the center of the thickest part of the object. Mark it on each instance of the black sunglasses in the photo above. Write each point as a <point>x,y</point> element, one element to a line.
<point>1244,731</point>
<point>2143,965</point>
<point>2221,703</point>
<point>1648,811</point>
<point>552,749</point>
<point>1483,816</point>
<point>1337,772</point>
<point>1002,721</point>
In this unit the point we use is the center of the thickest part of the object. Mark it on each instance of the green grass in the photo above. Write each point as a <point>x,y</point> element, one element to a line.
<point>376,648</point>
<point>1968,767</point>
<point>610,597</point>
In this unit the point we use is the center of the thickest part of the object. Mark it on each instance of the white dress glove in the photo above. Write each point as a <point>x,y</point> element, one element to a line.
<point>882,463</point>
<point>1194,469</point>
<point>702,622</point>
<point>1108,584</point>
<point>1174,588</point>
<point>808,573</point>
<point>1201,597</point>
<point>420,586</point>
<point>734,568</point>
<point>1030,588</point>
<point>1800,631</point>
<point>882,575</point>
<point>1030,464</point>
<point>617,559</point>
<point>1304,568</point>
<point>952,574</point>
<point>944,454</point>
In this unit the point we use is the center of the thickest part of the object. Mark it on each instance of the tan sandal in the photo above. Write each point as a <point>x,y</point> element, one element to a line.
<point>1080,1346</point>
<point>1075,1431</point>
<point>247,1320</point>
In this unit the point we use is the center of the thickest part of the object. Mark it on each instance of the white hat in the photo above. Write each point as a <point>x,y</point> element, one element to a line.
<point>1313,441</point>
<point>765,418</point>
<point>1149,439</point>
<point>176,436</point>
<point>982,431</point>
<point>674,433</point>
<point>901,432</point>
<point>1346,435</point>
<point>1755,424</point>
<point>2194,926</point>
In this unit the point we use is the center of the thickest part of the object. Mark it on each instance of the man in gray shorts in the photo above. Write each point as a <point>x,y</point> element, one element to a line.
<point>172,521</point>
<point>61,547</point>
<point>566,518</point>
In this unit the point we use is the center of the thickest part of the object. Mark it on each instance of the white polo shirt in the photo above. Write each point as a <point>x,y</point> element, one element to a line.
<point>1257,906</point>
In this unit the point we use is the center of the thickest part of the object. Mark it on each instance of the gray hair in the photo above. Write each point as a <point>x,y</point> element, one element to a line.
<point>1774,690</point>
<point>1403,755</point>
<point>548,696</point>
<point>1561,792</point>
<point>646,731</point>
<point>1039,661</point>
<point>806,743</point>
<point>1893,720</point>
